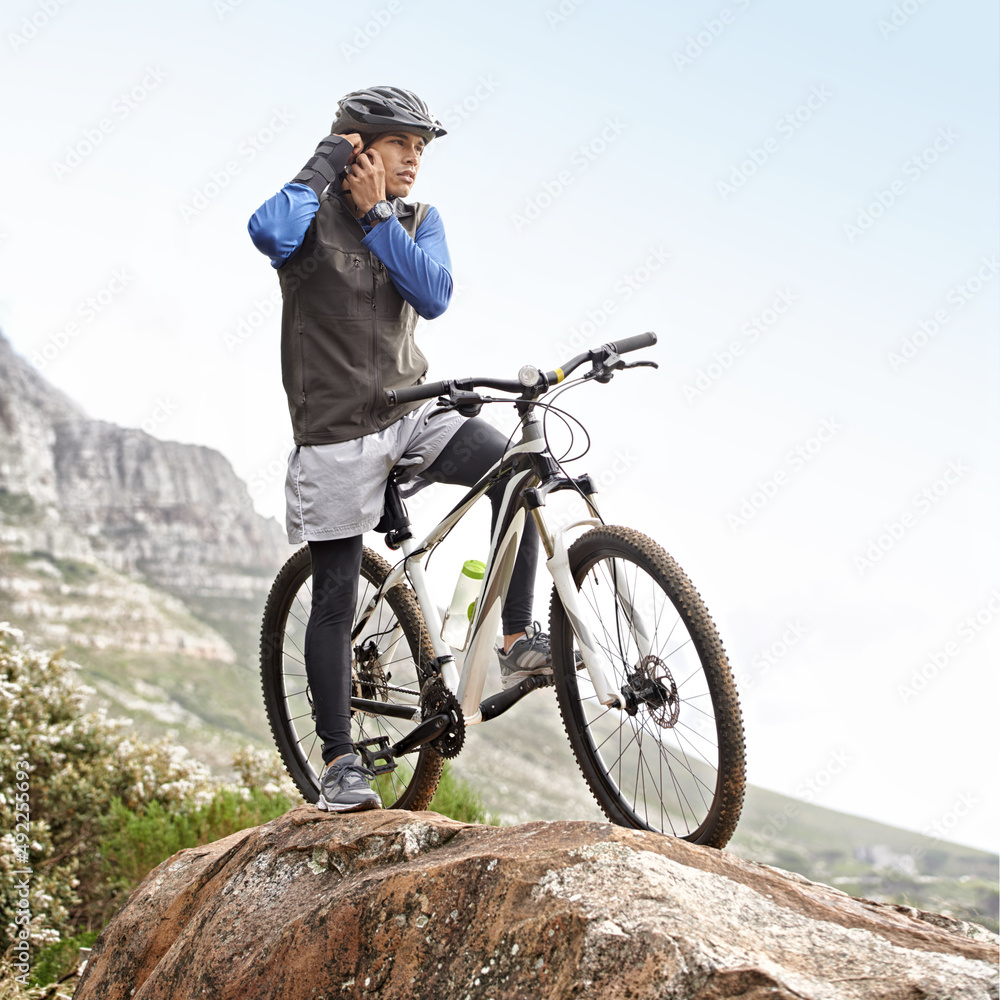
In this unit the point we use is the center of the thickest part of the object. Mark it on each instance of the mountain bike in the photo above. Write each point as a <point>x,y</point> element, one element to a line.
<point>642,681</point>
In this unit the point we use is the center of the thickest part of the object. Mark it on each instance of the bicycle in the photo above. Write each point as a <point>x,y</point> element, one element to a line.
<point>641,677</point>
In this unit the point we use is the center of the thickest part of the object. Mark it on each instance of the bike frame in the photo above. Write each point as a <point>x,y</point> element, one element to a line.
<point>526,463</point>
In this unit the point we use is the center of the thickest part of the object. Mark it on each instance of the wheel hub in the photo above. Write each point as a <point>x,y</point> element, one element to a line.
<point>651,684</point>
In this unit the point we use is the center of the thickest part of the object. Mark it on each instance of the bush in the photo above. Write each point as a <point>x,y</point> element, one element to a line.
<point>87,809</point>
<point>136,841</point>
<point>459,800</point>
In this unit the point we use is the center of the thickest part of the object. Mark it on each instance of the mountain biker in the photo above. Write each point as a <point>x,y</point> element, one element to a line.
<point>357,266</point>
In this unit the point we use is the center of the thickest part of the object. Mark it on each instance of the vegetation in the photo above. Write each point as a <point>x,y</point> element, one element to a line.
<point>16,506</point>
<point>103,808</point>
<point>459,800</point>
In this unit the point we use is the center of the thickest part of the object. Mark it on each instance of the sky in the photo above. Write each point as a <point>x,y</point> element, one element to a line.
<point>799,199</point>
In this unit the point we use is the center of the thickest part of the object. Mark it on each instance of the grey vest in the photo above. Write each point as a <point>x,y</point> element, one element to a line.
<point>346,332</point>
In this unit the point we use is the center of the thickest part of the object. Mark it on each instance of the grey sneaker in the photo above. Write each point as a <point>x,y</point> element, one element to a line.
<point>343,786</point>
<point>528,656</point>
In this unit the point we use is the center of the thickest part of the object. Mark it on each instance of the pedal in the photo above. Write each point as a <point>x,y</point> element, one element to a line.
<point>370,758</point>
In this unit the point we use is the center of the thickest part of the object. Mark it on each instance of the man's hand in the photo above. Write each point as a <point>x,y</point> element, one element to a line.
<point>356,141</point>
<point>366,180</point>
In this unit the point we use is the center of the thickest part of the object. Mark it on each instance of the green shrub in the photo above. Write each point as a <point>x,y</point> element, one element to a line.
<point>57,960</point>
<point>459,800</point>
<point>104,807</point>
<point>135,841</point>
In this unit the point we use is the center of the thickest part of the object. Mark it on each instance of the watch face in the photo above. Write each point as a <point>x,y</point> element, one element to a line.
<point>382,210</point>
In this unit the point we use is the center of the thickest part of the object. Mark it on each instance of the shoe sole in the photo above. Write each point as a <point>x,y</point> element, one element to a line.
<point>326,806</point>
<point>510,680</point>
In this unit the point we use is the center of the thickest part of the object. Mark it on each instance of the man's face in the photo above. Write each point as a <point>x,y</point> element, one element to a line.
<point>400,152</point>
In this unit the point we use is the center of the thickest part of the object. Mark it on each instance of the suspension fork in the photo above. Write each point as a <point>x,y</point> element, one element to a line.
<point>594,660</point>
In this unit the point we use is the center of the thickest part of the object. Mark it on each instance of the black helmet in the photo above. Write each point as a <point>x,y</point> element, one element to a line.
<point>384,109</point>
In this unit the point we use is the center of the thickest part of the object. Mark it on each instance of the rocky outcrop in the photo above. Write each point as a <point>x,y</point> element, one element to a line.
<point>413,905</point>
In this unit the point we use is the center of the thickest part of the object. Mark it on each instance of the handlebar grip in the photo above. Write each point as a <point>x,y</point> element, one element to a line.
<point>416,392</point>
<point>627,344</point>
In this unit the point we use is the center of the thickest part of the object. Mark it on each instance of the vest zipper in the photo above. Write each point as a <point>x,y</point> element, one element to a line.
<point>302,369</point>
<point>376,381</point>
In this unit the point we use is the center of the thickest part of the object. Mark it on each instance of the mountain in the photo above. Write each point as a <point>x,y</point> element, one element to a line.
<point>142,558</point>
<point>146,562</point>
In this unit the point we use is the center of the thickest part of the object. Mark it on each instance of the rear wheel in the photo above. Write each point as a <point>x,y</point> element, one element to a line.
<point>385,668</point>
<point>672,758</point>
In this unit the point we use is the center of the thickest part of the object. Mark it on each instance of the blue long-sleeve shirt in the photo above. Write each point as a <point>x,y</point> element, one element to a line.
<point>420,268</point>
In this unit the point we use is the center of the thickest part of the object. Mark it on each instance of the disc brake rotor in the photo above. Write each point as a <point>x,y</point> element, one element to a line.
<point>369,679</point>
<point>656,689</point>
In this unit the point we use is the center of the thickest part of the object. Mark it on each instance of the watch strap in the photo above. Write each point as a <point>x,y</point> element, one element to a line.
<point>380,211</point>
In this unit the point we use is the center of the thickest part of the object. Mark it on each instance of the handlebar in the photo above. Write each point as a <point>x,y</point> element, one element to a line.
<point>605,359</point>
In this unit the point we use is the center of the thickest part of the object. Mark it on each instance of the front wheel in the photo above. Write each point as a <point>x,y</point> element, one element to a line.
<point>387,666</point>
<point>671,759</point>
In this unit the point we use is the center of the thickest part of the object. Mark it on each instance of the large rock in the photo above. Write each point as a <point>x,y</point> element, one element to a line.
<point>406,905</point>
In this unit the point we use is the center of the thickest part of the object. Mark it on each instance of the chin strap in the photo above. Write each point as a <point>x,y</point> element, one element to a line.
<point>325,164</point>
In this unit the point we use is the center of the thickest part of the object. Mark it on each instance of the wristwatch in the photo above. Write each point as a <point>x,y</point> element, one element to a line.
<point>379,212</point>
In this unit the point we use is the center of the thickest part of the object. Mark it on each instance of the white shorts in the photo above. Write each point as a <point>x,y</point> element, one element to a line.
<point>336,490</point>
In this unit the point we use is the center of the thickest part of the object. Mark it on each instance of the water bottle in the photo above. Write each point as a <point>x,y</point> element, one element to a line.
<point>458,617</point>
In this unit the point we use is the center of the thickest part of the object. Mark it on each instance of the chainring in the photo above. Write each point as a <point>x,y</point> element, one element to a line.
<point>437,699</point>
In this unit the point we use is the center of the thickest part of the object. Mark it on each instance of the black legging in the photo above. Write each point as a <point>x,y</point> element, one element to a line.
<point>336,568</point>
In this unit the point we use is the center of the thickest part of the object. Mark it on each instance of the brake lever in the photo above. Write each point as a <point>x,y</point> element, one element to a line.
<point>443,406</point>
<point>604,373</point>
<point>467,403</point>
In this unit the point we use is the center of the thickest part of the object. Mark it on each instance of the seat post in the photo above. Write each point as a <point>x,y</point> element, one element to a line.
<point>395,521</point>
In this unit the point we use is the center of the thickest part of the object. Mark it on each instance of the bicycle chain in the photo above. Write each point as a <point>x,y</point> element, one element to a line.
<point>436,699</point>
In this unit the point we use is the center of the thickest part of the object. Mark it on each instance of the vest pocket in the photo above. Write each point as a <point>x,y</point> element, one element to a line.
<point>337,287</point>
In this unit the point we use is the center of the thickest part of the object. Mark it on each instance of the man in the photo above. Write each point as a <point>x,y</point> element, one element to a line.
<point>357,266</point>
